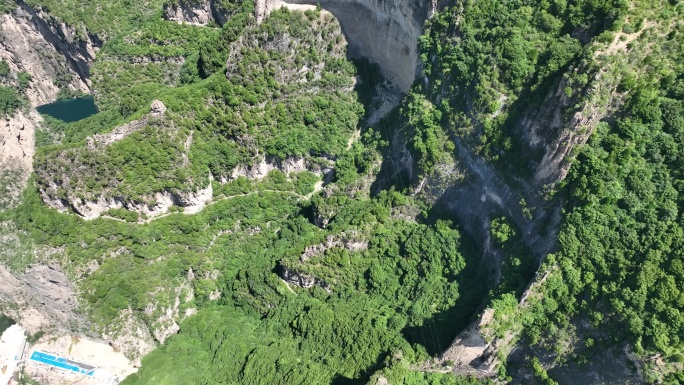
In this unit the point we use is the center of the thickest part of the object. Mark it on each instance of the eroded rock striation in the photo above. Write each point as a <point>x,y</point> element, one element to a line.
<point>188,12</point>
<point>42,298</point>
<point>199,12</point>
<point>78,51</point>
<point>33,43</point>
<point>383,31</point>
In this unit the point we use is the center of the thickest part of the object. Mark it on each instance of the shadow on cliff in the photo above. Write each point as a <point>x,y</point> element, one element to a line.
<point>363,378</point>
<point>439,331</point>
<point>398,169</point>
<point>367,87</point>
<point>380,104</point>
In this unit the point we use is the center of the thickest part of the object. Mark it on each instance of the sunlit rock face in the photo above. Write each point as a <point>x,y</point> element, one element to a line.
<point>383,31</point>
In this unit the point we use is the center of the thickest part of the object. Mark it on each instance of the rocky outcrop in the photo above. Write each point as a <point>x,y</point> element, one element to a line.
<point>260,169</point>
<point>561,124</point>
<point>77,47</point>
<point>165,325</point>
<point>477,349</point>
<point>157,110</point>
<point>118,133</point>
<point>265,7</point>
<point>40,298</point>
<point>197,12</point>
<point>303,280</point>
<point>16,155</point>
<point>352,242</point>
<point>132,337</point>
<point>16,139</point>
<point>149,207</point>
<point>384,31</point>
<point>32,42</point>
<point>190,12</point>
<point>294,271</point>
<point>470,352</point>
<point>25,47</point>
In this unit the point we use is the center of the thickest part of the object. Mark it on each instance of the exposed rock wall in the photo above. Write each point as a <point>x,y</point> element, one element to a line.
<point>25,47</point>
<point>31,42</point>
<point>196,12</point>
<point>260,169</point>
<point>16,155</point>
<point>561,124</point>
<point>151,207</point>
<point>352,242</point>
<point>162,203</point>
<point>293,271</point>
<point>79,52</point>
<point>303,280</point>
<point>470,351</point>
<point>40,298</point>
<point>477,349</point>
<point>189,12</point>
<point>384,31</point>
<point>133,338</point>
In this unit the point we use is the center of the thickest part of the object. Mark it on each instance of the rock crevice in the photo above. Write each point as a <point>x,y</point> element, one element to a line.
<point>79,52</point>
<point>41,297</point>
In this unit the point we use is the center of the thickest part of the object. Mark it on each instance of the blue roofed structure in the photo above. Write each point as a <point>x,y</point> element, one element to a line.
<point>62,363</point>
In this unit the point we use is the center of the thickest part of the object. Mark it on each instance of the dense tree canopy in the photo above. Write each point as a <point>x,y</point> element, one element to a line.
<point>318,276</point>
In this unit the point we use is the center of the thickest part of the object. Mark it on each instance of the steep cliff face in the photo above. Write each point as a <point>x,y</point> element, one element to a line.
<point>32,43</point>
<point>550,131</point>
<point>78,51</point>
<point>384,31</point>
<point>188,12</point>
<point>200,12</point>
<point>41,298</point>
<point>16,155</point>
<point>562,123</point>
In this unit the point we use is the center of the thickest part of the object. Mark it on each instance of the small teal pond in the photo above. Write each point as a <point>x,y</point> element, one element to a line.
<point>70,110</point>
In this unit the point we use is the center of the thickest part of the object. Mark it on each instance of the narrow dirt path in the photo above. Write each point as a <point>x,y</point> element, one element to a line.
<point>317,188</point>
<point>622,40</point>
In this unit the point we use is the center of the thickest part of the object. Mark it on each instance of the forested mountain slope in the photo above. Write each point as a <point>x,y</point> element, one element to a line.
<point>268,195</point>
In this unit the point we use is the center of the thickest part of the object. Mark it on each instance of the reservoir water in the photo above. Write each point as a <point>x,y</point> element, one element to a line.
<point>70,110</point>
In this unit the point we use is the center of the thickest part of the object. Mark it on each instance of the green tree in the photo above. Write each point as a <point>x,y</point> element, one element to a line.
<point>9,101</point>
<point>4,69</point>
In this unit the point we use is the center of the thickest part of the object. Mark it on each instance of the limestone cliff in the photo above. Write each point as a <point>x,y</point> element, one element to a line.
<point>189,12</point>
<point>200,12</point>
<point>16,155</point>
<point>383,31</point>
<point>32,42</point>
<point>41,298</point>
<point>562,123</point>
<point>77,51</point>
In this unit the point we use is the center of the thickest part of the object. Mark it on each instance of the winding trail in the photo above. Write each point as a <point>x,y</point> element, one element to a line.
<point>317,188</point>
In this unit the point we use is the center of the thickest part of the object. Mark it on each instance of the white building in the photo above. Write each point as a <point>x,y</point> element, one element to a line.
<point>12,346</point>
